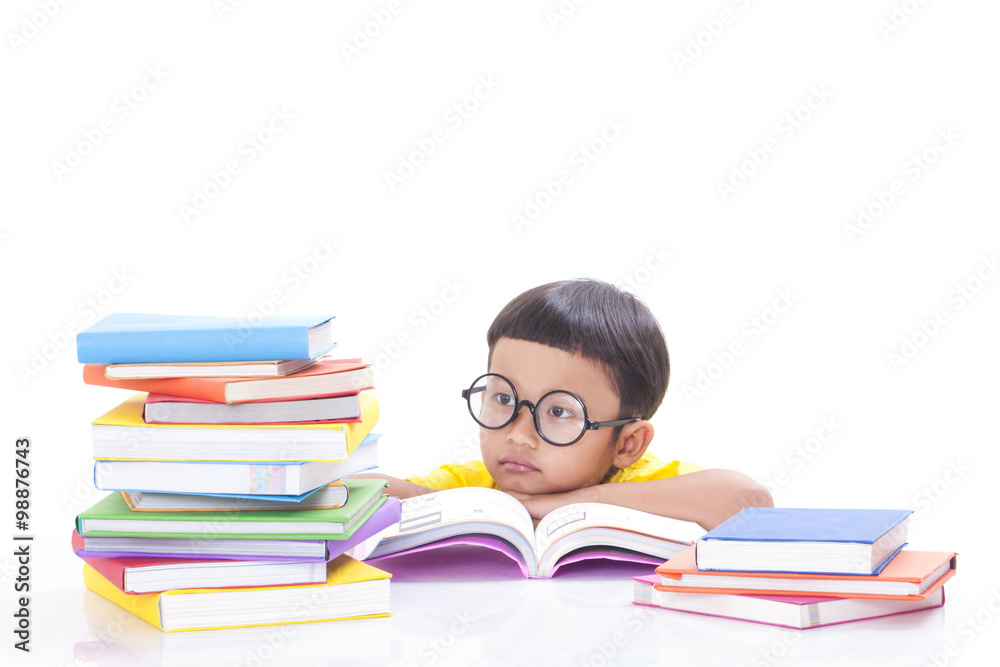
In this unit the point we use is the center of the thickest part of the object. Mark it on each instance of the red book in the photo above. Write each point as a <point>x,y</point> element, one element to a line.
<point>135,576</point>
<point>323,379</point>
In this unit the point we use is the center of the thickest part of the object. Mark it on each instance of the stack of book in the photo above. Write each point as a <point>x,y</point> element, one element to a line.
<point>226,505</point>
<point>801,568</point>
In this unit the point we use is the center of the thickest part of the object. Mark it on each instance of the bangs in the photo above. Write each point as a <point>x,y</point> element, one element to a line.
<point>601,323</point>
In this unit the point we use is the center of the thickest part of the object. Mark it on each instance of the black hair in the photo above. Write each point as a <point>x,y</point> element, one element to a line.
<point>602,323</point>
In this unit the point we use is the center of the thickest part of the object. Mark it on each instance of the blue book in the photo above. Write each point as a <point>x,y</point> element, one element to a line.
<point>805,540</point>
<point>131,338</point>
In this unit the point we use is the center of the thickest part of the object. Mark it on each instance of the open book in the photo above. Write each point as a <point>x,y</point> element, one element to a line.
<point>496,520</point>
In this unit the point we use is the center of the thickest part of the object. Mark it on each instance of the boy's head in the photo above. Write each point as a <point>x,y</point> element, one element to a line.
<point>601,323</point>
<point>595,341</point>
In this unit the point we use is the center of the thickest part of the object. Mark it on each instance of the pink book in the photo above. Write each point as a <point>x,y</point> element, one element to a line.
<point>786,611</point>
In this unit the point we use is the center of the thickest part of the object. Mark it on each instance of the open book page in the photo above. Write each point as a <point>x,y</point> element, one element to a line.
<point>460,512</point>
<point>581,525</point>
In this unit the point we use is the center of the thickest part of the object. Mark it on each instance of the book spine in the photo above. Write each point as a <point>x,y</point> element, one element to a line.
<point>145,606</point>
<point>209,389</point>
<point>111,569</point>
<point>233,344</point>
<point>356,432</point>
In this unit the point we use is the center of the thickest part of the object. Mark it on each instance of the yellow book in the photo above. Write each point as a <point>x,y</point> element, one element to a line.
<point>122,434</point>
<point>352,590</point>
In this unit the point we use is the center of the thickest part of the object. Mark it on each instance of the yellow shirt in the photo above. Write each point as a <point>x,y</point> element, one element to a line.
<point>474,473</point>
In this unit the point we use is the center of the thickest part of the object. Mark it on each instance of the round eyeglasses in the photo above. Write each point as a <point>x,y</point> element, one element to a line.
<point>560,416</point>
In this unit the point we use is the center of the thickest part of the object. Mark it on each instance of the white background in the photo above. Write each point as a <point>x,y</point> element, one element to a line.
<point>809,113</point>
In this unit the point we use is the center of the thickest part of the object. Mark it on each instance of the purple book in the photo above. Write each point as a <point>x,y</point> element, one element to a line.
<point>222,548</point>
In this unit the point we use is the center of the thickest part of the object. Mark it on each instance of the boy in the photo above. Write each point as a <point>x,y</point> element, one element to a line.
<point>576,370</point>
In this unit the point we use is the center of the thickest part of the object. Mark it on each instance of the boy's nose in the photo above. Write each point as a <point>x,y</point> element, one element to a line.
<point>521,431</point>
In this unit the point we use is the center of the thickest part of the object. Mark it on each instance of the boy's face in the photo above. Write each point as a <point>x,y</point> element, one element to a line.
<point>516,456</point>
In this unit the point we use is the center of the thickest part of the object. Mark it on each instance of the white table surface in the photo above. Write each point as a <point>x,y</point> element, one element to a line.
<point>452,615</point>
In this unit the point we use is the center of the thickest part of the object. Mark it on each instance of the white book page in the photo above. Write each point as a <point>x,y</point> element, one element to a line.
<point>459,511</point>
<point>465,504</point>
<point>578,516</point>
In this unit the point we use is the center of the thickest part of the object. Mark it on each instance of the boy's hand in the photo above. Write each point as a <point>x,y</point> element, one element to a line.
<point>540,504</point>
<point>706,497</point>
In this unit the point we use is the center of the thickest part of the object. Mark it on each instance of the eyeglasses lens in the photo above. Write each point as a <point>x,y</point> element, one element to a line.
<point>559,416</point>
<point>492,401</point>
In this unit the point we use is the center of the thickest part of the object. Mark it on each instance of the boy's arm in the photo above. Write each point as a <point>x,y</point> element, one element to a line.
<point>397,487</point>
<point>706,497</point>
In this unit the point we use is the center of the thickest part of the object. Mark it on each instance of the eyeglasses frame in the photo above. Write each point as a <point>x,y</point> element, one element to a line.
<point>588,425</point>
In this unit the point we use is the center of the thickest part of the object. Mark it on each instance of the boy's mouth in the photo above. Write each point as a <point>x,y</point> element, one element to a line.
<point>517,464</point>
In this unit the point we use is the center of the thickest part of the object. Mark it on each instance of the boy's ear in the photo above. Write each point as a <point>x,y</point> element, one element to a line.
<point>632,443</point>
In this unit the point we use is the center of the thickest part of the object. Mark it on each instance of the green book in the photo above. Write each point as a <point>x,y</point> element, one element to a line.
<point>111,517</point>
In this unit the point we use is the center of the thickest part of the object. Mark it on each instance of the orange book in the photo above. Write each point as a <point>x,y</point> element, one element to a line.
<point>324,378</point>
<point>911,575</point>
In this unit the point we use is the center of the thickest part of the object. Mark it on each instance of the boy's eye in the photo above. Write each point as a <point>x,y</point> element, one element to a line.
<point>560,412</point>
<point>504,399</point>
